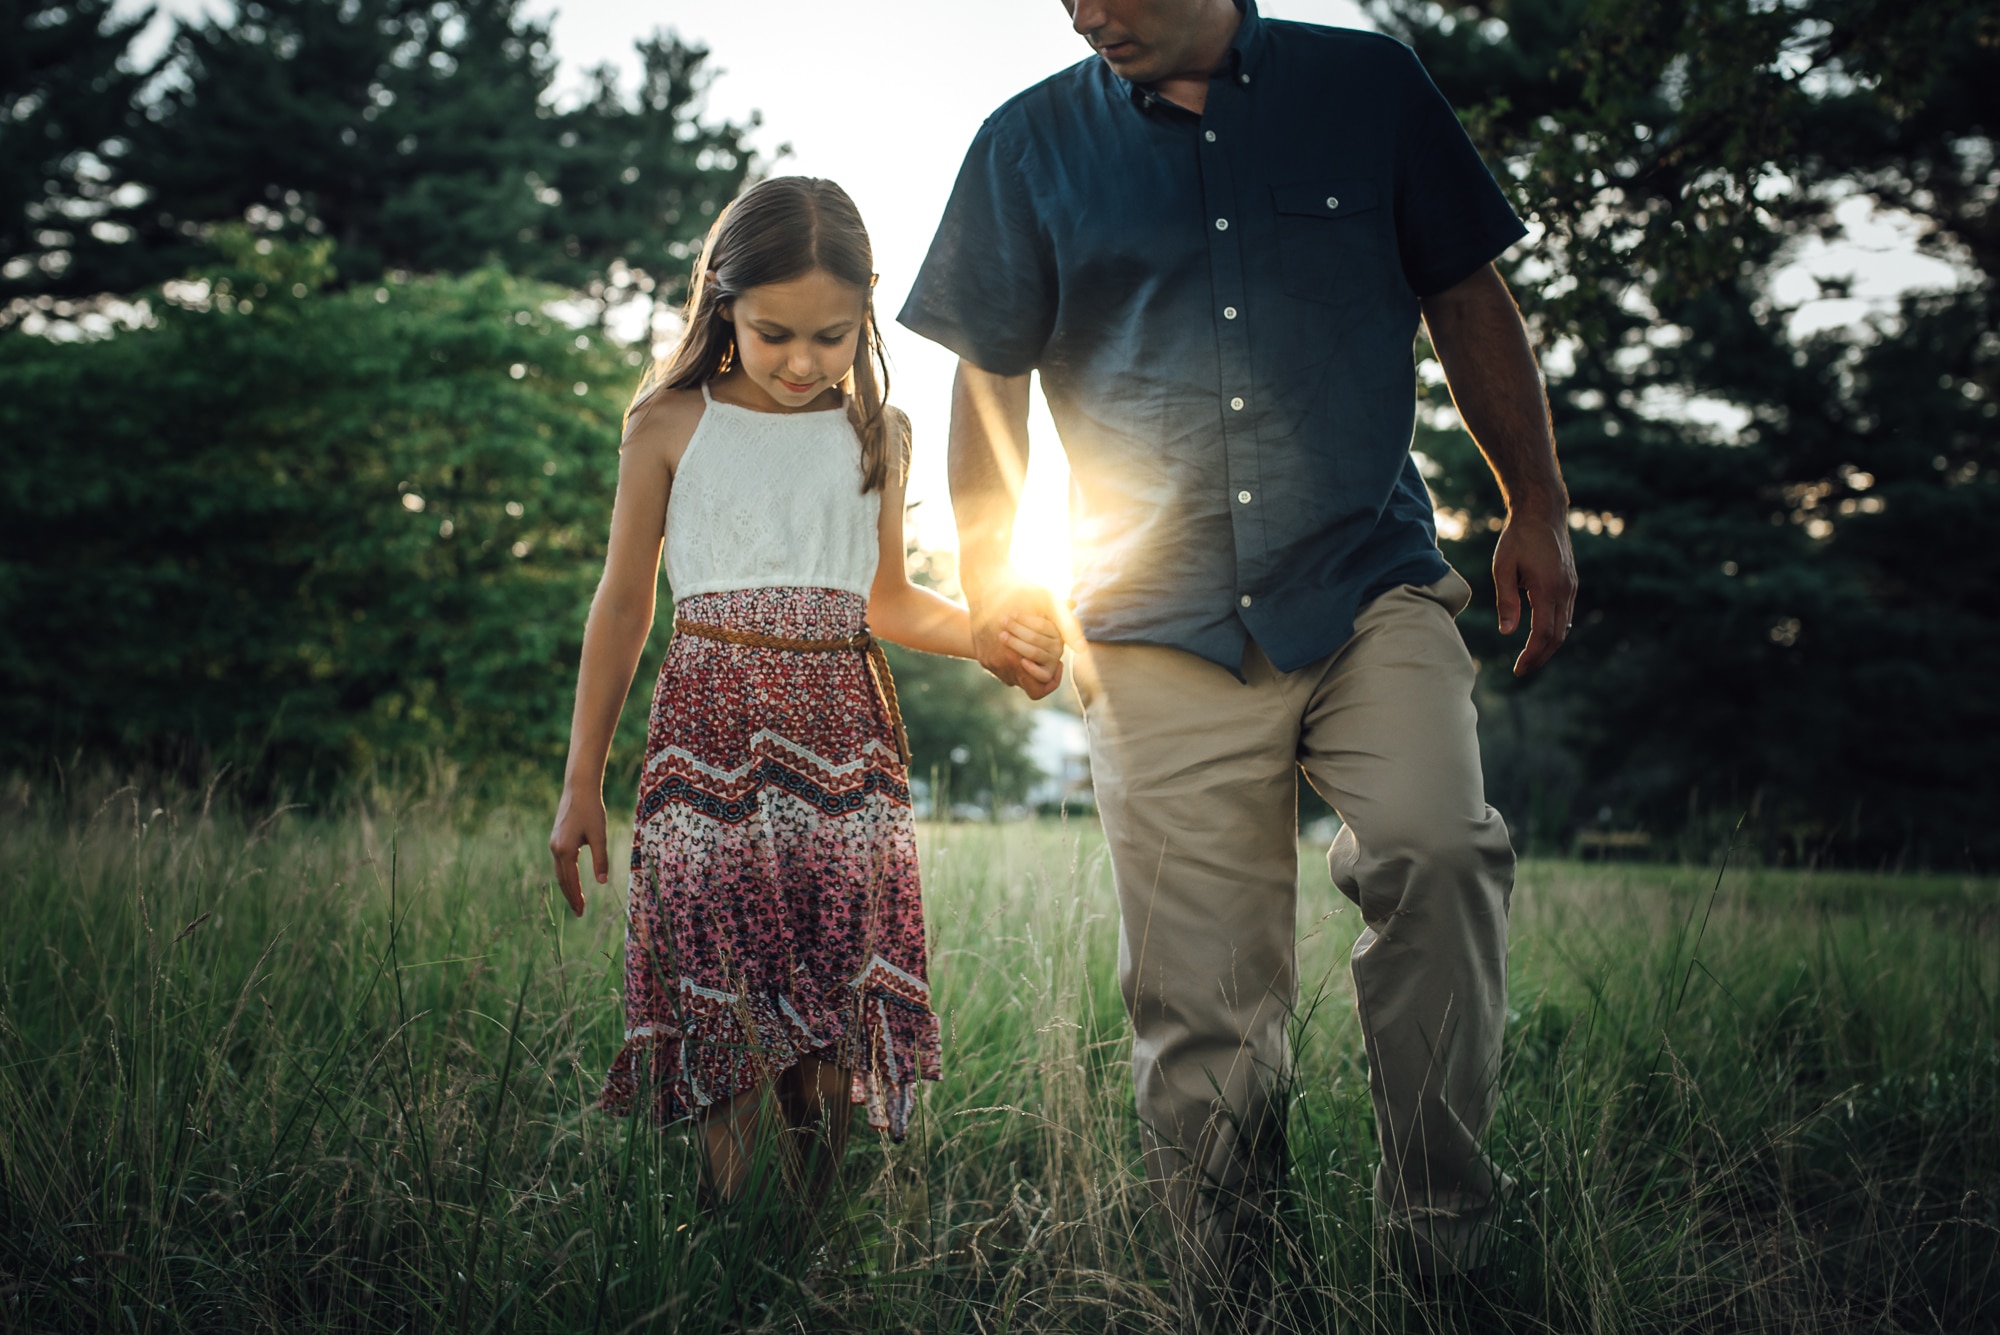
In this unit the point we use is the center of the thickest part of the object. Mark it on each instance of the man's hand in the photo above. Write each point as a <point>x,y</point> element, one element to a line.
<point>1533,559</point>
<point>1477,333</point>
<point>1010,632</point>
<point>579,822</point>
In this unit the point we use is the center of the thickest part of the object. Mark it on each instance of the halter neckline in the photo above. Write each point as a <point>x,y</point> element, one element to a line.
<point>713,402</point>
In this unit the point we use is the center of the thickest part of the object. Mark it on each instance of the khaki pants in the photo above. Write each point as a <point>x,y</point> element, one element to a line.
<point>1196,779</point>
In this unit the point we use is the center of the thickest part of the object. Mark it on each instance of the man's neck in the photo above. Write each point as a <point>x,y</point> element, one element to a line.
<point>1188,87</point>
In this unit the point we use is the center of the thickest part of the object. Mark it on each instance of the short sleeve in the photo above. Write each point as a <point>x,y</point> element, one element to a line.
<point>1451,217</point>
<point>987,287</point>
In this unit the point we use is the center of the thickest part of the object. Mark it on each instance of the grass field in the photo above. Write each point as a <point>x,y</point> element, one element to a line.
<point>291,1072</point>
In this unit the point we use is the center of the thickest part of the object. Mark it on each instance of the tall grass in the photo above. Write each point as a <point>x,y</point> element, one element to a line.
<point>333,1072</point>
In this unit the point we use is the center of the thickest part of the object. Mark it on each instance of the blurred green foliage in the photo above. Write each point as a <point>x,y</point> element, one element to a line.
<point>1790,597</point>
<point>303,530</point>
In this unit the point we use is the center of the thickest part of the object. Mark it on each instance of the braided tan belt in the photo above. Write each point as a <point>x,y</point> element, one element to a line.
<point>868,645</point>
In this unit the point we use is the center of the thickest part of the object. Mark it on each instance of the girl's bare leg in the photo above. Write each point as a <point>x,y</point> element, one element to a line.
<point>813,1098</point>
<point>729,1134</point>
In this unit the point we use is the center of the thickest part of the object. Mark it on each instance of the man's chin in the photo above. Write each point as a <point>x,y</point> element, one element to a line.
<point>1133,69</point>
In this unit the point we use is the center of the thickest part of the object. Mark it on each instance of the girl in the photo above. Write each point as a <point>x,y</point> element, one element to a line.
<point>774,931</point>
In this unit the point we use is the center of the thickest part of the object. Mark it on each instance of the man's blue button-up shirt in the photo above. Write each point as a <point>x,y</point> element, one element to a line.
<point>1221,308</point>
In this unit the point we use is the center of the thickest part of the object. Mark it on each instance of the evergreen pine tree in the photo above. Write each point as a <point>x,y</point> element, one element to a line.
<point>417,136</point>
<point>67,108</point>
<point>1788,610</point>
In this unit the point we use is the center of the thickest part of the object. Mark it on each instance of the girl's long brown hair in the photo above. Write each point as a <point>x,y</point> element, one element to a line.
<point>775,231</point>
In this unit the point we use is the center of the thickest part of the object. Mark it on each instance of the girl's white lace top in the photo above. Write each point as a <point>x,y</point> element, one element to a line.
<point>770,500</point>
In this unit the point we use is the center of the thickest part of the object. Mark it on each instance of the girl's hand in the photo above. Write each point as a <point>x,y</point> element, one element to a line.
<point>1039,643</point>
<point>579,821</point>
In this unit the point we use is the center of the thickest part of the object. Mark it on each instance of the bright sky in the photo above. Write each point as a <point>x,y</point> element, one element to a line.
<point>883,96</point>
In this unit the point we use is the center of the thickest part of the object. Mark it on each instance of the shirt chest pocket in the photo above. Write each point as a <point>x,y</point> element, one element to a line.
<point>1333,243</point>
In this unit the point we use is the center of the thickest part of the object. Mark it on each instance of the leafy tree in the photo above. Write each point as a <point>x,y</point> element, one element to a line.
<point>306,530</point>
<point>418,136</point>
<point>1787,613</point>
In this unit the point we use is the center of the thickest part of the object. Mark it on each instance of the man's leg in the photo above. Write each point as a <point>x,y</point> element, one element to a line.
<point>1196,782</point>
<point>1390,740</point>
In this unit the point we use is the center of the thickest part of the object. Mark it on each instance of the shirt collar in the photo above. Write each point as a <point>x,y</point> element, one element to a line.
<point>1246,50</point>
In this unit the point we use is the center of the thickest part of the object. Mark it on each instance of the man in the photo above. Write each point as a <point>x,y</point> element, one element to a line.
<point>1213,240</point>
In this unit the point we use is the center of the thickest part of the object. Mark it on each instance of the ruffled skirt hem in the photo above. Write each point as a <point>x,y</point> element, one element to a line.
<point>724,1044</point>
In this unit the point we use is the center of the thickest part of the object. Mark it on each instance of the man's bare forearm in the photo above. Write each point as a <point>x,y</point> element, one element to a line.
<point>1479,337</point>
<point>988,461</point>
<point>1482,344</point>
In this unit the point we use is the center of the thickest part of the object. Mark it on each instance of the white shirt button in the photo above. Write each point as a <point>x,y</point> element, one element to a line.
<point>1243,497</point>
<point>1208,135</point>
<point>1244,601</point>
<point>1332,202</point>
<point>1237,404</point>
<point>1222,224</point>
<point>1229,312</point>
<point>1244,78</point>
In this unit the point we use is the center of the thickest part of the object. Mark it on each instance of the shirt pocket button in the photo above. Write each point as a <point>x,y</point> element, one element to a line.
<point>1330,244</point>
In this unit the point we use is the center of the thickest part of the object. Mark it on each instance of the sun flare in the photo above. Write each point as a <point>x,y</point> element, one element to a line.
<point>1041,550</point>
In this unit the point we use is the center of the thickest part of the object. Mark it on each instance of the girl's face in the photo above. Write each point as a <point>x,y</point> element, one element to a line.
<point>795,340</point>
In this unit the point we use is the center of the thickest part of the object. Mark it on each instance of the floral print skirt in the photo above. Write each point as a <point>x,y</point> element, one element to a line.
<point>774,911</point>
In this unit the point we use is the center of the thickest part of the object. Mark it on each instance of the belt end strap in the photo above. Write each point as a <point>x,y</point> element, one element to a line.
<point>885,685</point>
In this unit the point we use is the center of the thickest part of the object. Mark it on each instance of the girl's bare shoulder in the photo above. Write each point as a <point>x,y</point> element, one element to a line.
<point>661,425</point>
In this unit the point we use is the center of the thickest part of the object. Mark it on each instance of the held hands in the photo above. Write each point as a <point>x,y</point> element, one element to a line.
<point>1037,642</point>
<point>1015,636</point>
<point>579,821</point>
<point>1533,558</point>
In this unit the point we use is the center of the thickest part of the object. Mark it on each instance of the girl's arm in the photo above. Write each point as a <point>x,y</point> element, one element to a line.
<point>621,616</point>
<point>918,618</point>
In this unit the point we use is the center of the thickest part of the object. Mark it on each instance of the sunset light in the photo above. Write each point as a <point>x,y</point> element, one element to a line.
<point>541,554</point>
<point>1041,550</point>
